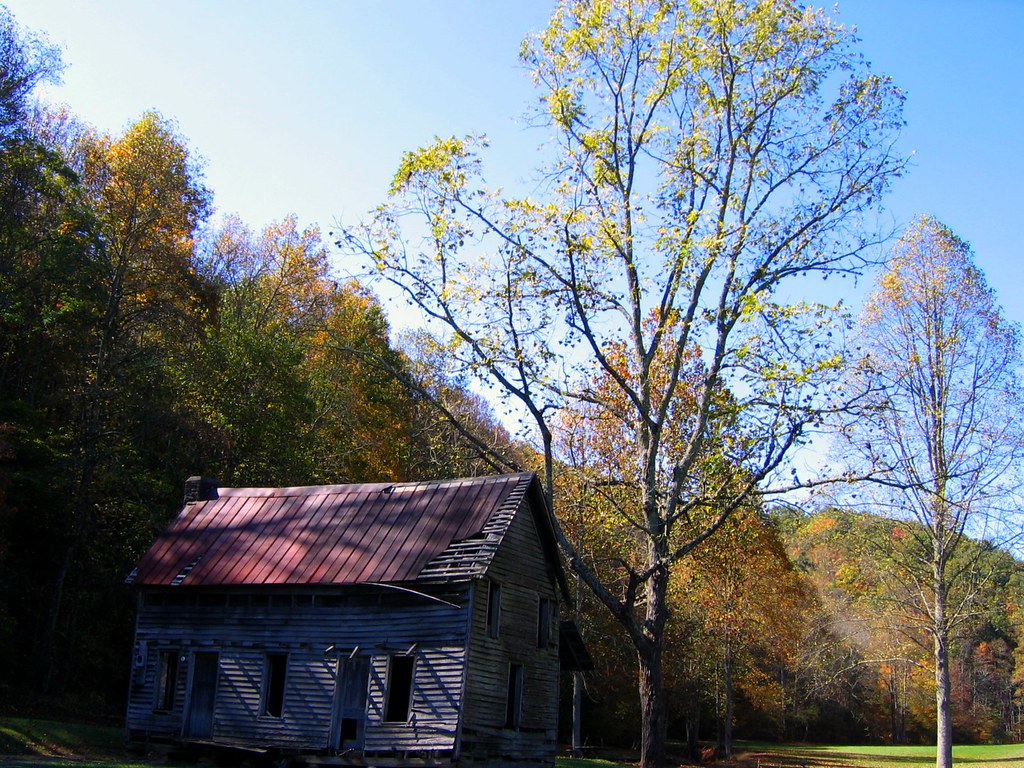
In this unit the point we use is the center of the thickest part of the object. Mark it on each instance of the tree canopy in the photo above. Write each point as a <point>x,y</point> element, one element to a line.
<point>140,343</point>
<point>706,155</point>
<point>941,434</point>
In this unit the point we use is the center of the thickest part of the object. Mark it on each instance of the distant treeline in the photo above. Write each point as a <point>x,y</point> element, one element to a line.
<point>804,613</point>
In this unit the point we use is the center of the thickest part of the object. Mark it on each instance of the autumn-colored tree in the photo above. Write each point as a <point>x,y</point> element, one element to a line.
<point>1014,605</point>
<point>874,668</point>
<point>869,668</point>
<point>755,606</point>
<point>146,199</point>
<point>703,156</point>
<point>130,359</point>
<point>982,663</point>
<point>286,378</point>
<point>46,303</point>
<point>364,421</point>
<point>97,291</point>
<point>455,430</point>
<point>942,438</point>
<point>248,384</point>
<point>44,230</point>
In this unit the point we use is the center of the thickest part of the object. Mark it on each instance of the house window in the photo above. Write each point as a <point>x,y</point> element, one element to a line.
<point>493,609</point>
<point>399,689</point>
<point>514,696</point>
<point>543,622</point>
<point>166,680</point>
<point>273,684</point>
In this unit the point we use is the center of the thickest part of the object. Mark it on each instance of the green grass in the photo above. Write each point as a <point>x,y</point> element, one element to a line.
<point>28,743</point>
<point>752,755</point>
<point>983,755</point>
<point>44,737</point>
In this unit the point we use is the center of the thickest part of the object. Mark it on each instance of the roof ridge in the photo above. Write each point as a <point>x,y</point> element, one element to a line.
<point>318,490</point>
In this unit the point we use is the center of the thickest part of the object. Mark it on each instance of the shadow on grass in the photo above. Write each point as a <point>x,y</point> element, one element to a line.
<point>28,743</point>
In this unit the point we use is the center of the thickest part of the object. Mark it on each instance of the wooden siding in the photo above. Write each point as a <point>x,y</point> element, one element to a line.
<point>435,706</point>
<point>143,692</point>
<point>376,624</point>
<point>522,570</point>
<point>460,676</point>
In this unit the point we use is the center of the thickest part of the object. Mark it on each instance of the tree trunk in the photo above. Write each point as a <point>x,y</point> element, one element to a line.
<point>943,713</point>
<point>898,702</point>
<point>726,731</point>
<point>894,707</point>
<point>577,714</point>
<point>652,706</point>
<point>46,656</point>
<point>940,628</point>
<point>92,418</point>
<point>77,527</point>
<point>693,728</point>
<point>650,648</point>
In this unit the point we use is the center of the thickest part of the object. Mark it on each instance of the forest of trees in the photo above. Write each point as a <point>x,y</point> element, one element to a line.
<point>141,342</point>
<point>144,340</point>
<point>792,621</point>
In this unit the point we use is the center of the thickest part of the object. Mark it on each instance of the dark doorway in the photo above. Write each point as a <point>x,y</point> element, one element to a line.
<point>350,703</point>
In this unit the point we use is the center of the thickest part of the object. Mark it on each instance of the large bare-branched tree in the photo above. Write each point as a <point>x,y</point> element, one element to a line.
<point>705,156</point>
<point>942,436</point>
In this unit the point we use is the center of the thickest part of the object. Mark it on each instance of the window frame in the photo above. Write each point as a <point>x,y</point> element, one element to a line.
<point>168,667</point>
<point>545,608</point>
<point>493,609</point>
<point>514,696</point>
<point>275,682</point>
<point>399,691</point>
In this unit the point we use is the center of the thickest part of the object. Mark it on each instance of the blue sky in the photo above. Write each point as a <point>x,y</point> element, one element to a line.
<point>305,107</point>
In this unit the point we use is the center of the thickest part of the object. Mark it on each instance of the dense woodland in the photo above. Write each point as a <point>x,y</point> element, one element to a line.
<point>800,611</point>
<point>143,340</point>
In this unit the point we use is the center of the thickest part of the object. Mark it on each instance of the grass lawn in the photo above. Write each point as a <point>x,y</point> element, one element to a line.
<point>28,743</point>
<point>987,755</point>
<point>771,755</point>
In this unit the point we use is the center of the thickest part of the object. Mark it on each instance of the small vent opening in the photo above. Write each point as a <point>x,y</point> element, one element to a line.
<point>184,572</point>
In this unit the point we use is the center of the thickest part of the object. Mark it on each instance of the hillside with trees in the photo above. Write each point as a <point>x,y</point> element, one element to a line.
<point>881,656</point>
<point>794,627</point>
<point>143,341</point>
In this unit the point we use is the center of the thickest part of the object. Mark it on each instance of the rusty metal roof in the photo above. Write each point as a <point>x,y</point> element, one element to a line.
<point>339,534</point>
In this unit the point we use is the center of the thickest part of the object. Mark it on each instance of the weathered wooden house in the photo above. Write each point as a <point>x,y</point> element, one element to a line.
<point>377,623</point>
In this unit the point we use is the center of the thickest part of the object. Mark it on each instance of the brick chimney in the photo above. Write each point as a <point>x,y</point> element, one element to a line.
<point>200,489</point>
